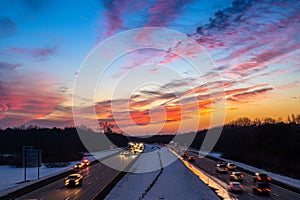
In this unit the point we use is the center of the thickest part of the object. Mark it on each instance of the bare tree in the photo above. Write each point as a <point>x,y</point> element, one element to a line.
<point>242,121</point>
<point>106,127</point>
<point>289,119</point>
<point>256,121</point>
<point>269,120</point>
<point>293,118</point>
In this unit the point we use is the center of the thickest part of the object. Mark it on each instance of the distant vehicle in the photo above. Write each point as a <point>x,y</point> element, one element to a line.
<point>124,153</point>
<point>237,176</point>
<point>260,177</point>
<point>85,163</point>
<point>235,187</point>
<point>220,163</point>
<point>78,166</point>
<point>261,188</point>
<point>184,155</point>
<point>222,168</point>
<point>73,180</point>
<point>191,159</point>
<point>231,166</point>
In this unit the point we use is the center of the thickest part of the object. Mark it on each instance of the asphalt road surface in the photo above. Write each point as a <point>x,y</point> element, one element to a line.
<point>209,166</point>
<point>95,178</point>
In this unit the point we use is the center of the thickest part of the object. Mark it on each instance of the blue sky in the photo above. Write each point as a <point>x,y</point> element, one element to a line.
<point>253,44</point>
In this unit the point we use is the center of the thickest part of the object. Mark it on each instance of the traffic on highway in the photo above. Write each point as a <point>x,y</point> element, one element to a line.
<point>90,180</point>
<point>239,184</point>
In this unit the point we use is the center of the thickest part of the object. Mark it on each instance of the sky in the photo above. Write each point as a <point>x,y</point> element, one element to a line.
<point>249,52</point>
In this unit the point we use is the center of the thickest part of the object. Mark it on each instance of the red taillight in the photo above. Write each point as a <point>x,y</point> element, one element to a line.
<point>259,178</point>
<point>260,190</point>
<point>268,190</point>
<point>269,178</point>
<point>241,186</point>
<point>232,187</point>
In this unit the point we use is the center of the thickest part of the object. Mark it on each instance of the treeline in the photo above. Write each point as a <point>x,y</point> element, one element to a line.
<point>56,144</point>
<point>264,143</point>
<point>245,121</point>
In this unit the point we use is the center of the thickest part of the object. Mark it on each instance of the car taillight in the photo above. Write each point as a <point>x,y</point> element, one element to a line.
<point>267,189</point>
<point>259,178</point>
<point>241,186</point>
<point>269,178</point>
<point>260,190</point>
<point>232,187</point>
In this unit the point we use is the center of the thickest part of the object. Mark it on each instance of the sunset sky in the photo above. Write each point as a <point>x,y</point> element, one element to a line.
<point>252,49</point>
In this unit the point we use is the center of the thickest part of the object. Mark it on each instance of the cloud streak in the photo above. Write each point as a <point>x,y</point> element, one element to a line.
<point>40,53</point>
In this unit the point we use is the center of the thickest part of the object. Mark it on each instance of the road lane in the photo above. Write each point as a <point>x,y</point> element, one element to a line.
<point>96,178</point>
<point>209,166</point>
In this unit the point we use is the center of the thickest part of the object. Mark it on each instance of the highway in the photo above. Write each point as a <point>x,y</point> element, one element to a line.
<point>209,166</point>
<point>96,178</point>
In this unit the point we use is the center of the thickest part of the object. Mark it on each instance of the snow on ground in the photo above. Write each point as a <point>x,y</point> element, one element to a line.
<point>284,179</point>
<point>134,183</point>
<point>178,182</point>
<point>10,177</point>
<point>175,182</point>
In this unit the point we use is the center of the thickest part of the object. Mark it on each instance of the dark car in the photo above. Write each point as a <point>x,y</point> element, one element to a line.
<point>261,188</point>
<point>184,155</point>
<point>85,163</point>
<point>73,180</point>
<point>222,168</point>
<point>260,177</point>
<point>231,166</point>
<point>236,176</point>
<point>221,163</point>
<point>191,159</point>
<point>78,166</point>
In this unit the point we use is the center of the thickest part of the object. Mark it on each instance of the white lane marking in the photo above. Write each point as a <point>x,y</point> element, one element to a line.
<point>276,194</point>
<point>250,194</point>
<point>89,183</point>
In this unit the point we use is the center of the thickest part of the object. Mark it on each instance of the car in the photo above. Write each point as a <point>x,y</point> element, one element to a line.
<point>220,163</point>
<point>191,159</point>
<point>231,166</point>
<point>184,155</point>
<point>124,153</point>
<point>236,176</point>
<point>261,188</point>
<point>73,180</point>
<point>85,163</point>
<point>222,168</point>
<point>261,177</point>
<point>235,187</point>
<point>78,166</point>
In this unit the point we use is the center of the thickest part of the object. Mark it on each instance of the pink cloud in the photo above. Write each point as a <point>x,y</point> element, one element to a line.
<point>34,52</point>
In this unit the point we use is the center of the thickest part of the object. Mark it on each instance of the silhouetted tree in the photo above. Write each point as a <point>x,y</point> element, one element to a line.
<point>269,120</point>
